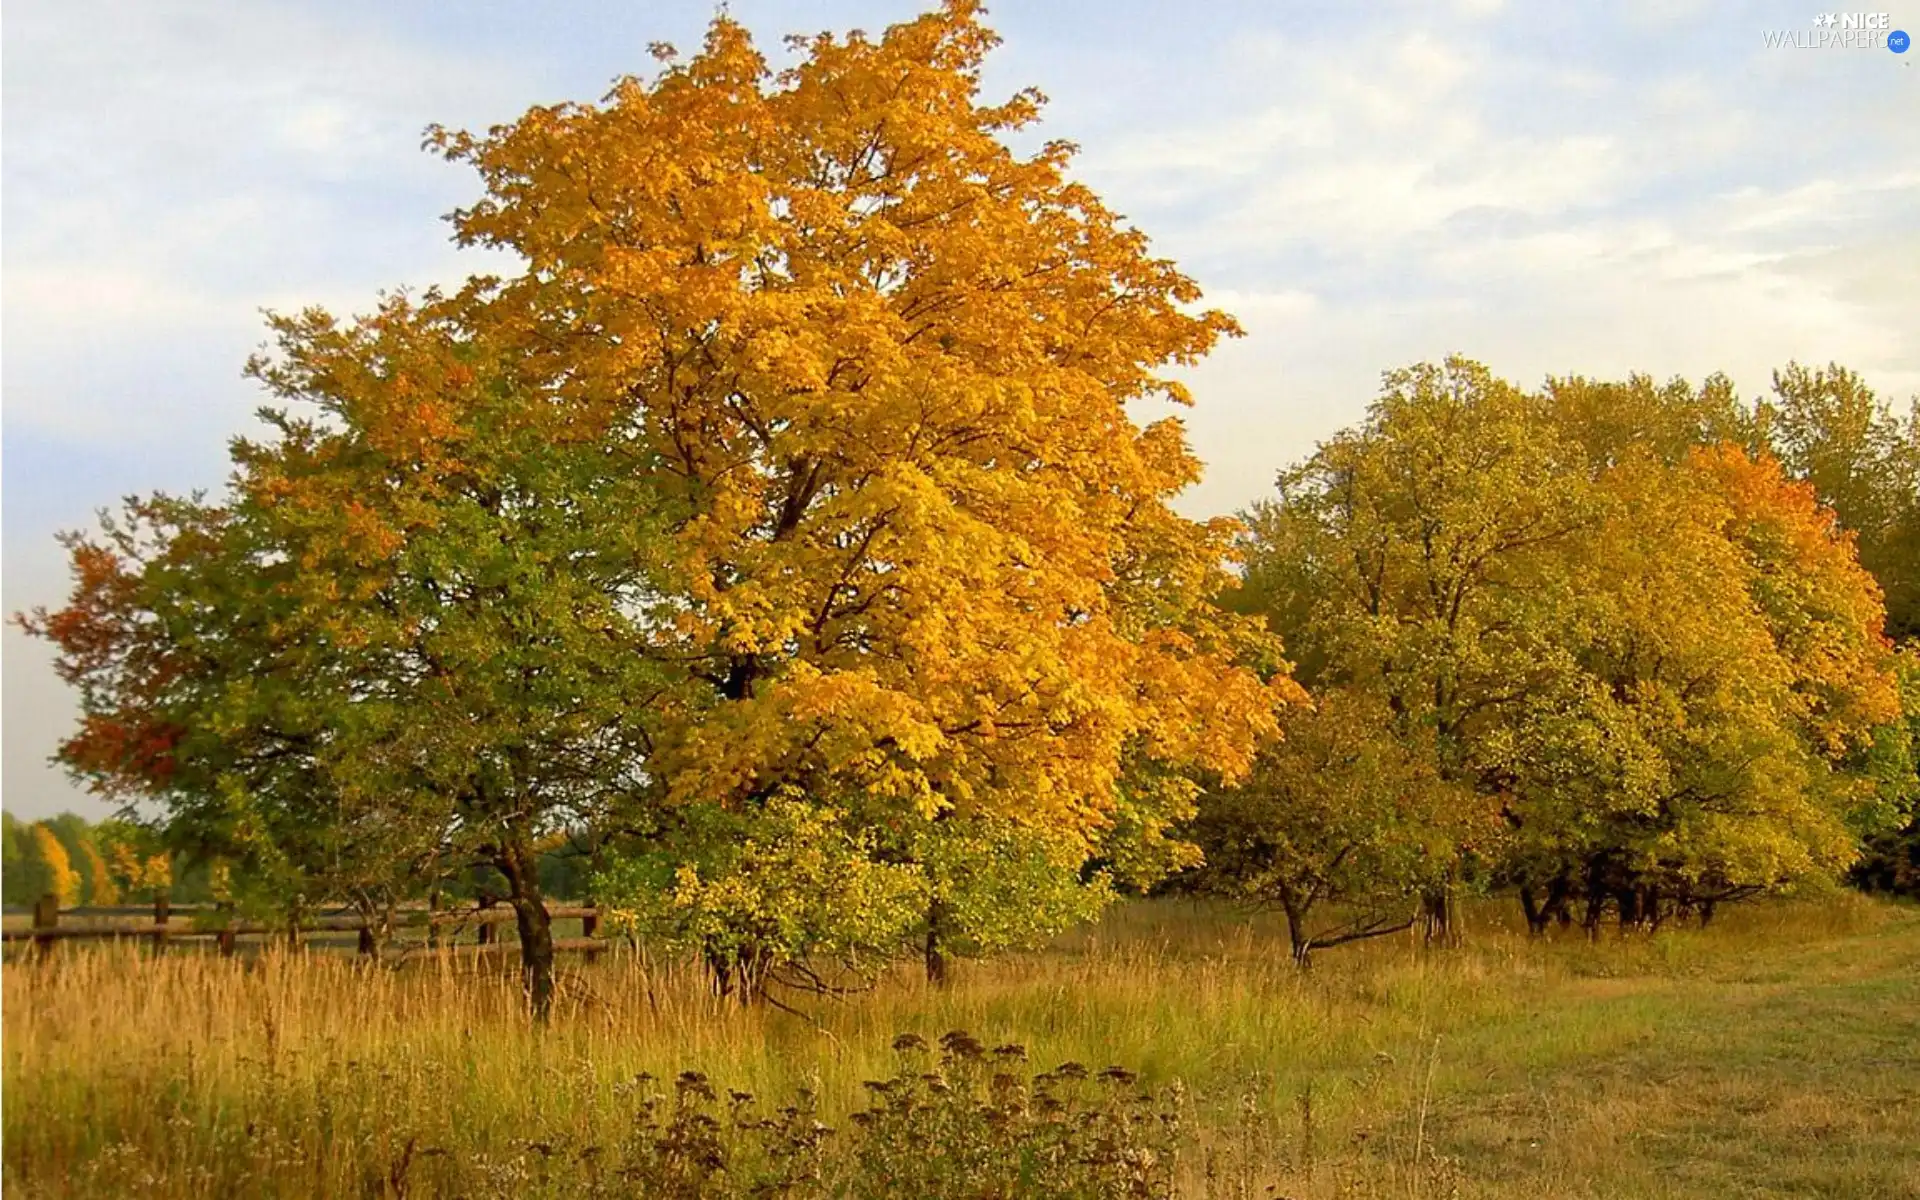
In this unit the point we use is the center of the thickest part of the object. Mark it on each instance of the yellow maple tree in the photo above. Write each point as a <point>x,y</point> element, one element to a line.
<point>62,881</point>
<point>100,885</point>
<point>921,550</point>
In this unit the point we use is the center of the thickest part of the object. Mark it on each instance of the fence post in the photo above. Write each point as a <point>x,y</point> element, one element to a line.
<point>162,910</point>
<point>486,927</point>
<point>46,915</point>
<point>228,938</point>
<point>589,927</point>
<point>433,910</point>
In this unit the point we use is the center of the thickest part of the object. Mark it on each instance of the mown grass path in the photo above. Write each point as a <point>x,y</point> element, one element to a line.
<point>1786,1071</point>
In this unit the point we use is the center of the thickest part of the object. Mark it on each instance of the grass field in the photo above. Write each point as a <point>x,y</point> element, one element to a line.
<point>1776,1054</point>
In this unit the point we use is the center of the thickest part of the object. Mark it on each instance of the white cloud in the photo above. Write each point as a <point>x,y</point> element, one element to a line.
<point>1478,9</point>
<point>1352,151</point>
<point>172,169</point>
<point>1263,312</point>
<point>1375,203</point>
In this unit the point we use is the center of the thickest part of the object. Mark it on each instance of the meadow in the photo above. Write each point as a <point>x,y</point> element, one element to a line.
<point>1776,1053</point>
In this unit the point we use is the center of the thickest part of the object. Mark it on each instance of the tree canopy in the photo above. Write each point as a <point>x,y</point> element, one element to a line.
<point>1602,607</point>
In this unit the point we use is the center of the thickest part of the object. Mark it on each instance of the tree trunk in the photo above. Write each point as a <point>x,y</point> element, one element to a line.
<point>740,975</point>
<point>935,955</point>
<point>1296,926</point>
<point>1436,907</point>
<point>1559,897</point>
<point>1596,899</point>
<point>1297,934</point>
<point>1537,914</point>
<point>719,970</point>
<point>520,864</point>
<point>1628,898</point>
<point>374,928</point>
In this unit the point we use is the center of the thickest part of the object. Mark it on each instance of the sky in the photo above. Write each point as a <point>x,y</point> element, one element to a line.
<point>1552,189</point>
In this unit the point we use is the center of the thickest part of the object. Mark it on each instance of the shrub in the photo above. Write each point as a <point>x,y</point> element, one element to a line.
<point>958,1123</point>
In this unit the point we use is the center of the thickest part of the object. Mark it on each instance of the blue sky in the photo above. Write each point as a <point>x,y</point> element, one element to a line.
<point>1550,188</point>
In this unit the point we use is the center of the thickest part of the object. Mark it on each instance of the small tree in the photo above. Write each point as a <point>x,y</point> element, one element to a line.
<point>13,876</point>
<point>766,896</point>
<point>100,886</point>
<point>992,885</point>
<point>137,862</point>
<point>1342,826</point>
<point>54,866</point>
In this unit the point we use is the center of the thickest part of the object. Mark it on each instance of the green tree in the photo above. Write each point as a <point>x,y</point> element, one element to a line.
<point>1891,862</point>
<point>411,639</point>
<point>1831,430</point>
<point>1417,560</point>
<point>19,872</point>
<point>1863,460</point>
<point>762,894</point>
<point>991,885</point>
<point>1342,826</point>
<point>1659,660</point>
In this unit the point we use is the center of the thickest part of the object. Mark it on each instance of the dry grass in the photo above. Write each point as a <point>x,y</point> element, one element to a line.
<point>1772,1055</point>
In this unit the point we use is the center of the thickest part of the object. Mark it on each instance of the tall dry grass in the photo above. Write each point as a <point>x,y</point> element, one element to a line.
<point>314,1075</point>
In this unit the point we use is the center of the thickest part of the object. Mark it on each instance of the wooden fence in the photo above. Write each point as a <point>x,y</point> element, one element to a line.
<point>443,927</point>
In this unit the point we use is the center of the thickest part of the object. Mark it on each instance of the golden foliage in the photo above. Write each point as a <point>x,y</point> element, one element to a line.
<point>63,882</point>
<point>921,549</point>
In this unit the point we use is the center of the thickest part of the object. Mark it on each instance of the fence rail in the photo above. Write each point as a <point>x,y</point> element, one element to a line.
<point>219,924</point>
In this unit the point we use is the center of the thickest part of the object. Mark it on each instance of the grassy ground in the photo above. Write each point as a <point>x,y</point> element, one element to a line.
<point>1777,1054</point>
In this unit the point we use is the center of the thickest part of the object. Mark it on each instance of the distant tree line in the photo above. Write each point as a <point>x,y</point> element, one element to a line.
<point>126,862</point>
<point>82,863</point>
